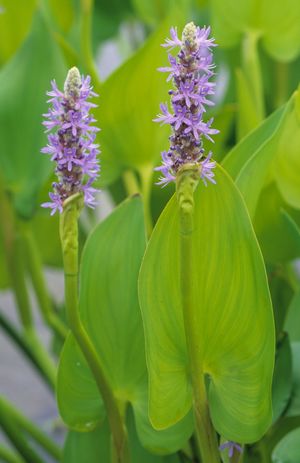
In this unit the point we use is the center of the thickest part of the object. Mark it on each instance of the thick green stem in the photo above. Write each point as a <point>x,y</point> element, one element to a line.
<point>35,269</point>
<point>206,436</point>
<point>282,80</point>
<point>85,36</point>
<point>130,182</point>
<point>8,456</point>
<point>42,439</point>
<point>252,69</point>
<point>146,173</point>
<point>69,240</point>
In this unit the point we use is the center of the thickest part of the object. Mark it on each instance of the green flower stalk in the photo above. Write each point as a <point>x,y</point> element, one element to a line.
<point>186,163</point>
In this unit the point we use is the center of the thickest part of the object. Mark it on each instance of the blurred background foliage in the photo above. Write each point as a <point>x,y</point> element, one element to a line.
<point>257,109</point>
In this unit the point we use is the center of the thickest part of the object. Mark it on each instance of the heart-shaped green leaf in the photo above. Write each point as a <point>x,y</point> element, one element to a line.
<point>110,312</point>
<point>23,84</point>
<point>232,313</point>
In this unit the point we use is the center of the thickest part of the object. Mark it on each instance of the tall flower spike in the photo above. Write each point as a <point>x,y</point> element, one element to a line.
<point>191,71</point>
<point>72,144</point>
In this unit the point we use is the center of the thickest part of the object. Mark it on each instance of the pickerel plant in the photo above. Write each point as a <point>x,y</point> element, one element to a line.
<point>74,150</point>
<point>186,163</point>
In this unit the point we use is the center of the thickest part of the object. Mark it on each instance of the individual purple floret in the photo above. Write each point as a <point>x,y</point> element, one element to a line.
<point>191,71</point>
<point>72,145</point>
<point>230,445</point>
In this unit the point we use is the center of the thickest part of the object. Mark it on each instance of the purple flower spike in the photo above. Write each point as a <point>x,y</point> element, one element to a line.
<point>72,146</point>
<point>190,71</point>
<point>231,446</point>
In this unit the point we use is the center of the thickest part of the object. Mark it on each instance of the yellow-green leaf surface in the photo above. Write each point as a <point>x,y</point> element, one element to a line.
<point>233,18</point>
<point>287,167</point>
<point>23,85</point>
<point>110,312</point>
<point>129,101</point>
<point>232,313</point>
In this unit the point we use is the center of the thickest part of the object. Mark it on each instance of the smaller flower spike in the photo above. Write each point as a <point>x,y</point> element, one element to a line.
<point>230,445</point>
<point>191,72</point>
<point>72,145</point>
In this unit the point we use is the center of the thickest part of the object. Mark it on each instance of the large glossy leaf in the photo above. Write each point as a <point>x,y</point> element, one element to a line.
<point>232,313</point>
<point>232,19</point>
<point>94,446</point>
<point>110,312</point>
<point>15,21</point>
<point>288,449</point>
<point>23,84</point>
<point>130,99</point>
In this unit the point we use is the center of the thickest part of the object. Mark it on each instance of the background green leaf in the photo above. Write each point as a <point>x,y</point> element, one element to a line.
<point>232,19</point>
<point>260,156</point>
<point>232,313</point>
<point>129,101</point>
<point>23,84</point>
<point>282,380</point>
<point>294,405</point>
<point>292,322</point>
<point>15,21</point>
<point>288,449</point>
<point>277,232</point>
